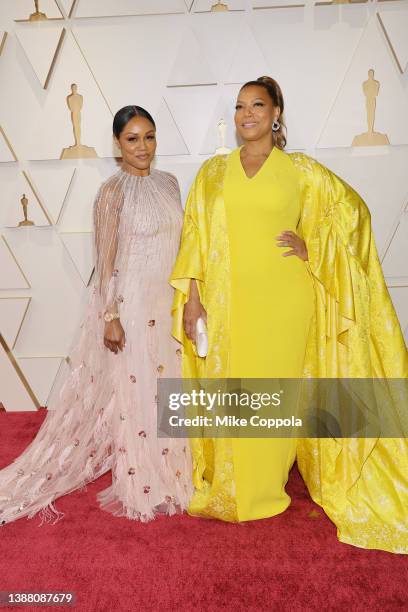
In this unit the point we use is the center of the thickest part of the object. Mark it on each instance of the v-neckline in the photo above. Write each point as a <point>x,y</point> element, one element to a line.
<point>250,178</point>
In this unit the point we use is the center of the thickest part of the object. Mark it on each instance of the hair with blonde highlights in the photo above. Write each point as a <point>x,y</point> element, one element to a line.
<point>275,93</point>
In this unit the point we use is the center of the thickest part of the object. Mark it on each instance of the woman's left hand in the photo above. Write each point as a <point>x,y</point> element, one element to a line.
<point>290,239</point>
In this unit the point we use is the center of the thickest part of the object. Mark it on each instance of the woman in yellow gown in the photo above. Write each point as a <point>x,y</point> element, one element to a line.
<point>270,316</point>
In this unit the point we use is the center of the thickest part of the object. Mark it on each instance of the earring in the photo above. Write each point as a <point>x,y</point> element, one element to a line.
<point>275,126</point>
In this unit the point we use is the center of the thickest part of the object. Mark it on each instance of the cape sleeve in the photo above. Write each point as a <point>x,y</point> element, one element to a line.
<point>352,295</point>
<point>339,248</point>
<point>106,216</point>
<point>190,258</point>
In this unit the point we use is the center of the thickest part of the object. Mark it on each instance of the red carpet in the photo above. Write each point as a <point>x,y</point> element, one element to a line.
<point>290,562</point>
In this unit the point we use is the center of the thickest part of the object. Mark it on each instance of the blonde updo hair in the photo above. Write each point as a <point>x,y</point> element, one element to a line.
<point>275,93</point>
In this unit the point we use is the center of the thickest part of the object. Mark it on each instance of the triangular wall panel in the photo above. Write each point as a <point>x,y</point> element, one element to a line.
<point>273,4</point>
<point>53,184</point>
<point>348,116</point>
<point>248,60</point>
<point>395,27</point>
<point>190,67</point>
<point>111,8</point>
<point>68,6</point>
<point>80,248</point>
<point>12,313</point>
<point>3,36</point>
<point>7,153</point>
<point>11,274</point>
<point>396,258</point>
<point>203,100</point>
<point>16,394</point>
<point>170,140</point>
<point>40,373</point>
<point>41,46</point>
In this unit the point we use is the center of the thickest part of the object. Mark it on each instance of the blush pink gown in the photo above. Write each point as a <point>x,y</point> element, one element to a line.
<point>102,412</point>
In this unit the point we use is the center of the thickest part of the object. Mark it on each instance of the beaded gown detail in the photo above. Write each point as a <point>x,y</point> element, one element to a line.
<point>102,411</point>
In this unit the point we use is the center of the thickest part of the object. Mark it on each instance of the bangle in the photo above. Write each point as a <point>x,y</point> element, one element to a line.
<point>109,316</point>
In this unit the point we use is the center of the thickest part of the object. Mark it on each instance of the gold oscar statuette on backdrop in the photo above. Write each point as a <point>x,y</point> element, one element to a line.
<point>37,15</point>
<point>219,7</point>
<point>222,130</point>
<point>75,102</point>
<point>24,204</point>
<point>371,87</point>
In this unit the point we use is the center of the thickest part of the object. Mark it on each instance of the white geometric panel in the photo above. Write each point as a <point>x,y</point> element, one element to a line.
<point>12,201</point>
<point>204,6</point>
<point>399,296</point>
<point>218,37</point>
<point>11,274</point>
<point>265,4</point>
<point>3,36</point>
<point>80,248</point>
<point>22,9</point>
<point>76,215</point>
<point>338,2</point>
<point>53,182</point>
<point>68,6</point>
<point>248,60</point>
<point>395,27</point>
<point>380,181</point>
<point>124,79</point>
<point>40,373</point>
<point>169,138</point>
<point>50,118</point>
<point>57,291</point>
<point>304,69</point>
<point>203,100</point>
<point>110,8</point>
<point>14,393</point>
<point>41,47</point>
<point>12,313</point>
<point>6,150</point>
<point>225,109</point>
<point>348,117</point>
<point>190,66</point>
<point>395,263</point>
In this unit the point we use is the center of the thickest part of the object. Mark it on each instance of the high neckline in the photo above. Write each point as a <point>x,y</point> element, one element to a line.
<point>137,176</point>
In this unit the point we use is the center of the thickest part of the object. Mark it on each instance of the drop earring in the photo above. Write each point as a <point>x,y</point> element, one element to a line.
<point>275,126</point>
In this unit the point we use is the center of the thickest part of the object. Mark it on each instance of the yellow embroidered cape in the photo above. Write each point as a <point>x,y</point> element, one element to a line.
<point>362,484</point>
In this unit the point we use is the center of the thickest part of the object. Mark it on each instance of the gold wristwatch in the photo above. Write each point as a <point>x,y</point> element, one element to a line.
<point>109,316</point>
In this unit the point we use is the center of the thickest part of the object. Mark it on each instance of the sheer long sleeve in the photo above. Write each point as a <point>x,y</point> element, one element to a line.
<point>107,209</point>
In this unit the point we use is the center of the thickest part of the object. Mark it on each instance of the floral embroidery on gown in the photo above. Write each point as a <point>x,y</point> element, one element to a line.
<point>102,411</point>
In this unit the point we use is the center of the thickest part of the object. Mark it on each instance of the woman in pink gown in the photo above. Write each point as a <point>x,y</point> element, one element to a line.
<point>102,413</point>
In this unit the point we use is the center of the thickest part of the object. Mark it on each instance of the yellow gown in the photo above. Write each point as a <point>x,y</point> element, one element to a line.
<point>271,298</point>
<point>362,484</point>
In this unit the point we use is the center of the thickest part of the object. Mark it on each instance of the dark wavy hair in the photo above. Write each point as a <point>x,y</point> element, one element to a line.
<point>125,114</point>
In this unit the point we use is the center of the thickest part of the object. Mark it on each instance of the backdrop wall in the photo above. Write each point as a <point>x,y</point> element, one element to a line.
<point>185,64</point>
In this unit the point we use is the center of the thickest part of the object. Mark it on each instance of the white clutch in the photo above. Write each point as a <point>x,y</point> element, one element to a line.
<point>201,338</point>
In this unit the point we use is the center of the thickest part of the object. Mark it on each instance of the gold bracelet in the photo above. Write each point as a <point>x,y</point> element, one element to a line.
<point>109,316</point>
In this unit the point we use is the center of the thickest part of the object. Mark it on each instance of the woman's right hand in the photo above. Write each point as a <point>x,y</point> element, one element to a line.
<point>114,336</point>
<point>193,310</point>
